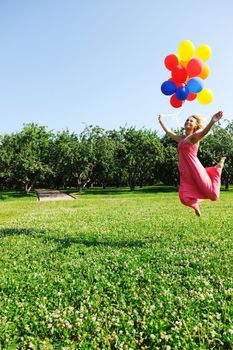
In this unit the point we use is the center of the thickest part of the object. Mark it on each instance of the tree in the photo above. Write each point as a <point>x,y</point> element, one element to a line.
<point>143,154</point>
<point>25,156</point>
<point>169,173</point>
<point>119,175</point>
<point>63,156</point>
<point>73,159</point>
<point>7,157</point>
<point>104,151</point>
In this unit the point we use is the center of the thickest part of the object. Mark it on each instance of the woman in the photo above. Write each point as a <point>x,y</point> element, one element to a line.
<point>196,182</point>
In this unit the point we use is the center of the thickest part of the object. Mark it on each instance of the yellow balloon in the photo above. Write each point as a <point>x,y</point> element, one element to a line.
<point>205,96</point>
<point>185,50</point>
<point>204,52</point>
<point>205,72</point>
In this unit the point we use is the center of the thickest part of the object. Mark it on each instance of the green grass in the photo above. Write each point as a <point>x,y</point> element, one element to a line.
<point>118,271</point>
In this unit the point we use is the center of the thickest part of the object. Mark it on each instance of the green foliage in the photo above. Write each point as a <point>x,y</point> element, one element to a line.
<point>168,172</point>
<point>98,157</point>
<point>64,154</point>
<point>100,149</point>
<point>143,154</point>
<point>24,156</point>
<point>131,270</point>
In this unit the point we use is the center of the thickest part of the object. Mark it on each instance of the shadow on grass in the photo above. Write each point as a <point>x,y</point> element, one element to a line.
<point>158,189</point>
<point>4,232</point>
<point>15,195</point>
<point>65,243</point>
<point>124,190</point>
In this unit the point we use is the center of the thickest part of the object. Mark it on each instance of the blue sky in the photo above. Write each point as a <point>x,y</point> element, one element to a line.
<point>71,63</point>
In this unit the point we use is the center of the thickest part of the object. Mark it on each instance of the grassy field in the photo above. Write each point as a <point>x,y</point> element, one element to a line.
<point>116,270</point>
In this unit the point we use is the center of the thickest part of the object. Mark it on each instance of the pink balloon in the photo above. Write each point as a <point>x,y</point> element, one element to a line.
<point>194,67</point>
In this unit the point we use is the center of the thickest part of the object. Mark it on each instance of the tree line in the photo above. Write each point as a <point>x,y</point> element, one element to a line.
<point>36,156</point>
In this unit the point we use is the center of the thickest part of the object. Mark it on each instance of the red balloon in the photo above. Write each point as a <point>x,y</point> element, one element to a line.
<point>177,84</point>
<point>175,102</point>
<point>179,74</point>
<point>195,67</point>
<point>171,61</point>
<point>191,96</point>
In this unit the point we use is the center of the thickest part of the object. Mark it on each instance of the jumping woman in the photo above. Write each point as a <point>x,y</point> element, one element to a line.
<point>196,182</point>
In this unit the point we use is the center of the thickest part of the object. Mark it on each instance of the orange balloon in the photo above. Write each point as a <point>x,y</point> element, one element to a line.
<point>205,72</point>
<point>184,63</point>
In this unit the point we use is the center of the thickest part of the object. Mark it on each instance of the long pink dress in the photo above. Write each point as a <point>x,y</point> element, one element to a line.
<point>196,182</point>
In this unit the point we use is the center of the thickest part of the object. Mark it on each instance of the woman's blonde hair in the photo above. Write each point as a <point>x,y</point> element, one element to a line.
<point>200,121</point>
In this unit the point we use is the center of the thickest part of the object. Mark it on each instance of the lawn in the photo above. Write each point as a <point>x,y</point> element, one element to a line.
<point>116,270</point>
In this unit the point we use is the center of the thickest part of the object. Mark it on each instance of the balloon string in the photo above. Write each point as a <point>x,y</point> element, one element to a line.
<point>175,115</point>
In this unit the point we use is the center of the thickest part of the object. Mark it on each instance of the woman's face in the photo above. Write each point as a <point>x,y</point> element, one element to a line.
<point>191,124</point>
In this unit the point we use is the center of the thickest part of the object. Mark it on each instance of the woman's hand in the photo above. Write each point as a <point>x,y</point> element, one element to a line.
<point>217,116</point>
<point>160,118</point>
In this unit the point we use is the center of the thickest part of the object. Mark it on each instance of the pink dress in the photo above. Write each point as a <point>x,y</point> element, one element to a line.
<point>196,182</point>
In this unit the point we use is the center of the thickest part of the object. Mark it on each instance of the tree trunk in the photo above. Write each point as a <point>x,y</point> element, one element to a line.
<point>132,185</point>
<point>79,189</point>
<point>28,185</point>
<point>132,182</point>
<point>81,185</point>
<point>33,182</point>
<point>227,183</point>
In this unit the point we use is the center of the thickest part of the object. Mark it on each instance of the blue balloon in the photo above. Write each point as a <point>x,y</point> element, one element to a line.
<point>195,85</point>
<point>182,93</point>
<point>168,88</point>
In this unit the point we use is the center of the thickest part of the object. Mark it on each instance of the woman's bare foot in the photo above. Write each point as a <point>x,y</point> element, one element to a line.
<point>197,210</point>
<point>220,164</point>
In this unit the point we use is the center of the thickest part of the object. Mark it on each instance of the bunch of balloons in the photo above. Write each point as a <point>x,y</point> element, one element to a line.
<point>188,70</point>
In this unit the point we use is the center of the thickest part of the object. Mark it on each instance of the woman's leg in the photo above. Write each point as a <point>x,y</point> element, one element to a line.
<point>208,179</point>
<point>190,202</point>
<point>213,191</point>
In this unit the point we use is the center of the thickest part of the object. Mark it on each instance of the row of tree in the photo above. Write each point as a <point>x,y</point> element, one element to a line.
<point>98,157</point>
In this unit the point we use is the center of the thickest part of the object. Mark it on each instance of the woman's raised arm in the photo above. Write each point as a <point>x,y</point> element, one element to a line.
<point>200,134</point>
<point>168,131</point>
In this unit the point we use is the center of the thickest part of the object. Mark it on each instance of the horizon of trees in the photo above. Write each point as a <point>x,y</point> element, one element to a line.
<point>127,157</point>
